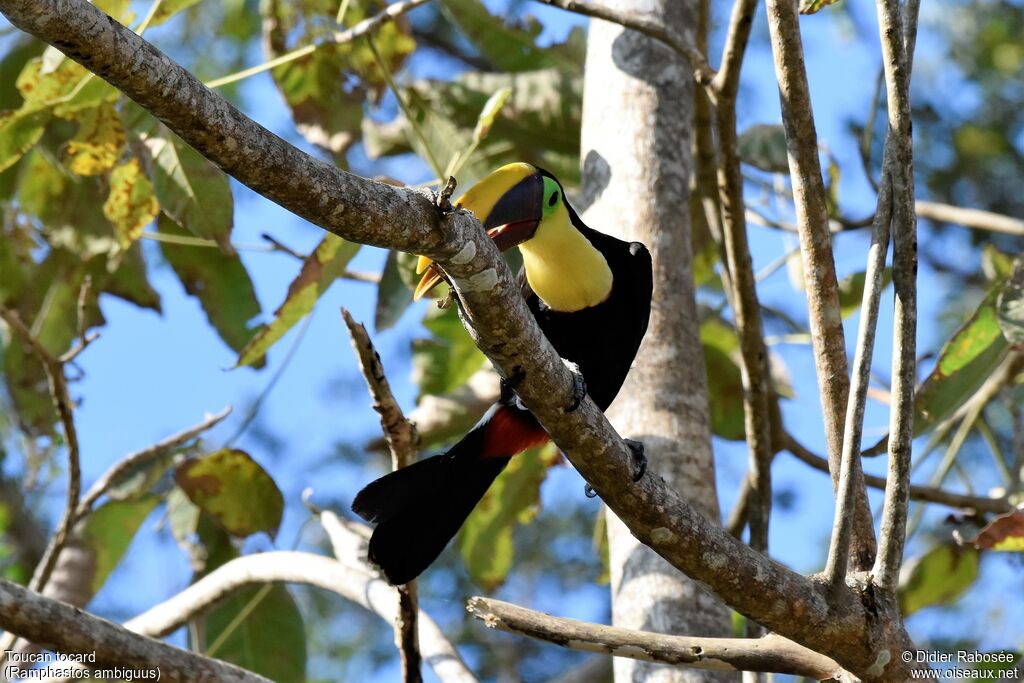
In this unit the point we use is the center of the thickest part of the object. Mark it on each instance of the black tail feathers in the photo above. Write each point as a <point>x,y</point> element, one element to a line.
<point>419,508</point>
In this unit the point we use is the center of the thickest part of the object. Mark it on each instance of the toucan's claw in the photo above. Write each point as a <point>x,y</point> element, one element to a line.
<point>589,491</point>
<point>579,386</point>
<point>639,459</point>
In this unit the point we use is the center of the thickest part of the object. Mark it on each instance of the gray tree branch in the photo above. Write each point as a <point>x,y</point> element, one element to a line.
<point>379,214</point>
<point>772,653</point>
<point>400,435</point>
<point>69,630</point>
<point>827,337</point>
<point>925,494</point>
<point>649,26</point>
<point>900,175</point>
<point>757,390</point>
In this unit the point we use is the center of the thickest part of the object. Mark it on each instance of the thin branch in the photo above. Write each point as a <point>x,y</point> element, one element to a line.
<point>757,390</point>
<point>702,72</point>
<point>771,653</point>
<point>904,230</point>
<point>363,28</point>
<point>851,486</point>
<point>143,457</point>
<point>969,218</point>
<point>69,630</point>
<point>926,494</point>
<point>827,337</point>
<point>401,438</point>
<point>64,406</point>
<point>398,431</point>
<point>373,213</point>
<point>303,568</point>
<point>348,540</point>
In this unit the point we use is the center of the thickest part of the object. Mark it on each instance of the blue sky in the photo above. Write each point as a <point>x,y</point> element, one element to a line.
<point>149,375</point>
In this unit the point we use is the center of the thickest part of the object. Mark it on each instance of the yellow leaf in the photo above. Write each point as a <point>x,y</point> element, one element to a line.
<point>490,112</point>
<point>98,143</point>
<point>131,204</point>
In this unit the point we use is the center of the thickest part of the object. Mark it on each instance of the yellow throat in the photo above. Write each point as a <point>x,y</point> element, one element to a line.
<point>563,267</point>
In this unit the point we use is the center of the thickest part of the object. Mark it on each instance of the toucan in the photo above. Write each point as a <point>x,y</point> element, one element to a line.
<point>591,295</point>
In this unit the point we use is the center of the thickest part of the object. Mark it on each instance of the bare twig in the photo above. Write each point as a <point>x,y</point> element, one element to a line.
<point>970,218</point>
<point>926,494</point>
<point>401,438</point>
<point>297,567</point>
<point>139,458</point>
<point>851,476</point>
<point>904,229</point>
<point>702,72</point>
<point>771,653</point>
<point>399,433</point>
<point>84,339</point>
<point>68,630</point>
<point>63,405</point>
<point>828,340</point>
<point>406,219</point>
<point>757,391</point>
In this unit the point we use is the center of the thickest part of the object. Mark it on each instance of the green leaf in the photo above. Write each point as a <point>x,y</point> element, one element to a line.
<point>763,146</point>
<point>190,189</point>
<point>447,359</point>
<point>511,48</point>
<point>489,113</point>
<point>325,265</point>
<point>219,281</point>
<point>18,53</point>
<point>539,123</point>
<point>941,576</point>
<point>128,281</point>
<point>168,8</point>
<point>260,628</point>
<point>234,490</point>
<point>813,6</point>
<point>1004,533</point>
<point>393,294</point>
<point>964,363</point>
<point>721,347</point>
<point>131,205</point>
<point>328,88</point>
<point>851,291</point>
<point>107,532</point>
<point>1011,306</point>
<point>19,132</point>
<point>485,541</point>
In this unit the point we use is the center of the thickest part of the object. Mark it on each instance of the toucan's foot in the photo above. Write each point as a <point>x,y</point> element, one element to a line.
<point>589,491</point>
<point>579,386</point>
<point>639,459</point>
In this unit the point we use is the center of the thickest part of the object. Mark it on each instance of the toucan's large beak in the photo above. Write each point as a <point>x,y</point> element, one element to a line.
<point>509,204</point>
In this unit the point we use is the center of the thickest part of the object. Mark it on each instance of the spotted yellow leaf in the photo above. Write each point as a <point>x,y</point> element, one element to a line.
<point>98,143</point>
<point>131,204</point>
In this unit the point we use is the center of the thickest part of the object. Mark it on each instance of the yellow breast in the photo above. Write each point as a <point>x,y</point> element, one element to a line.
<point>563,267</point>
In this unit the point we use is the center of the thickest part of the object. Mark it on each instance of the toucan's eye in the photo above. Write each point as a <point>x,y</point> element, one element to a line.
<point>554,199</point>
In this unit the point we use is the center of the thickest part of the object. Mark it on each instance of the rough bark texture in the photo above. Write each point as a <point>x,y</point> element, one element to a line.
<point>772,653</point>
<point>638,109</point>
<point>792,605</point>
<point>71,631</point>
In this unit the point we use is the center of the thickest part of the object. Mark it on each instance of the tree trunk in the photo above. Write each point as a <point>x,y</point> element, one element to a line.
<point>636,142</point>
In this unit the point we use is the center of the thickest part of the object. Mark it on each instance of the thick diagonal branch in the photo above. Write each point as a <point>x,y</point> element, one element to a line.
<point>373,213</point>
<point>65,629</point>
